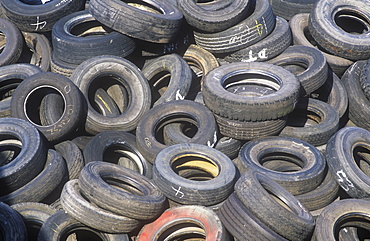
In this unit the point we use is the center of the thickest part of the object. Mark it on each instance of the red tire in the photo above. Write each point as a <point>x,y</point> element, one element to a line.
<point>200,222</point>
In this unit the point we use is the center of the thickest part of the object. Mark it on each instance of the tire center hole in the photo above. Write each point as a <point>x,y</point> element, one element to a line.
<point>123,185</point>
<point>8,86</point>
<point>187,230</point>
<point>2,41</point>
<point>295,67</point>
<point>301,118</point>
<point>187,124</point>
<point>123,156</point>
<point>195,167</point>
<point>10,147</point>
<point>109,95</point>
<point>352,21</point>
<point>159,83</point>
<point>361,155</point>
<point>281,162</point>
<point>89,29</point>
<point>251,84</point>
<point>81,233</point>
<point>142,5</point>
<point>45,99</point>
<point>360,221</point>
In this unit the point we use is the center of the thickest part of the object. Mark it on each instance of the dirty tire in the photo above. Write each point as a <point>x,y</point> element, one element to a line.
<point>169,112</point>
<point>139,199</point>
<point>85,212</point>
<point>156,21</point>
<point>295,223</point>
<point>251,106</point>
<point>169,174</point>
<point>256,154</point>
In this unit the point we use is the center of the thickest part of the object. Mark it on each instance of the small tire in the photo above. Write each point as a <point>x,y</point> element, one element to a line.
<point>81,209</point>
<point>342,154</point>
<point>139,198</point>
<point>256,154</point>
<point>149,142</point>
<point>151,21</point>
<point>313,62</point>
<point>13,42</point>
<point>104,72</point>
<point>340,27</point>
<point>281,85</point>
<point>60,225</point>
<point>117,147</point>
<point>294,223</point>
<point>31,92</point>
<point>218,171</point>
<point>78,37</point>
<point>39,18</point>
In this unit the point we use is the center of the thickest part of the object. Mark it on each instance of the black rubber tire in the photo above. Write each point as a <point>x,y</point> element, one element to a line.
<point>153,21</point>
<point>10,77</point>
<point>120,148</point>
<point>73,157</point>
<point>13,42</point>
<point>257,192</point>
<point>255,154</point>
<point>148,130</point>
<point>200,58</point>
<point>302,36</point>
<point>343,160</point>
<point>334,93</point>
<point>259,23</point>
<point>33,89</point>
<point>11,224</point>
<point>29,162</point>
<point>219,173</point>
<point>60,225</point>
<point>171,69</point>
<point>213,20</point>
<point>34,214</point>
<point>271,46</point>
<point>177,45</point>
<point>322,196</point>
<point>201,223</point>
<point>341,214</point>
<point>358,104</point>
<point>78,37</point>
<point>312,121</point>
<point>91,215</point>
<point>365,79</point>
<point>139,198</point>
<point>36,50</point>
<point>242,224</point>
<point>229,146</point>
<point>201,62</point>
<point>61,67</point>
<point>103,72</point>
<point>313,62</point>
<point>340,36</point>
<point>39,18</point>
<point>81,141</point>
<point>105,104</point>
<point>251,106</point>
<point>287,9</point>
<point>43,184</point>
<point>249,130</point>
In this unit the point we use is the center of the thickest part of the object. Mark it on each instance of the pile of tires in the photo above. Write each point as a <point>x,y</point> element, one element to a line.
<point>184,120</point>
